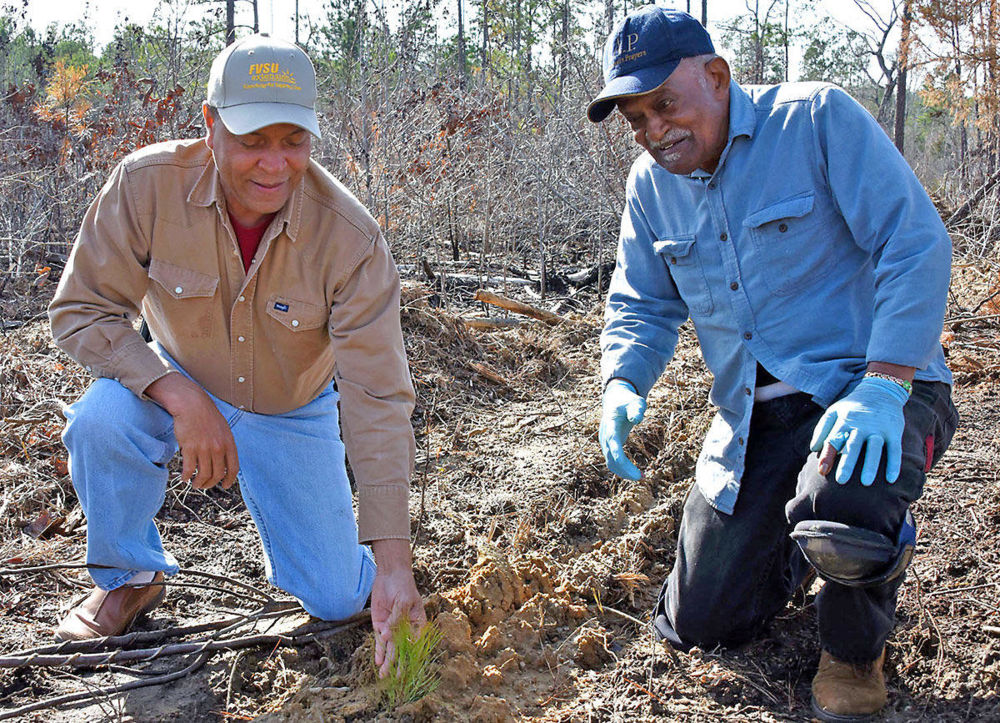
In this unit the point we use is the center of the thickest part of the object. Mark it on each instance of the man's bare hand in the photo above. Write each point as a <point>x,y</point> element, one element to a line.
<point>207,446</point>
<point>394,597</point>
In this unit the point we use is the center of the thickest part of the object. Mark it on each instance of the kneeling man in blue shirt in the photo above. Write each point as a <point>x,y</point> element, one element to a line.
<point>815,269</point>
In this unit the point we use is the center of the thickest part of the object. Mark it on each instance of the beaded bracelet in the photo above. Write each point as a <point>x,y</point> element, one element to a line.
<point>908,386</point>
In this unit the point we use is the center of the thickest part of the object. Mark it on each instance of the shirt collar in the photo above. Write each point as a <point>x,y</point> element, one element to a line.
<point>207,190</point>
<point>742,114</point>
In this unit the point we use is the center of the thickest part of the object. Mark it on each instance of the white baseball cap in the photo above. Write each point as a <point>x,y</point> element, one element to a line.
<point>259,81</point>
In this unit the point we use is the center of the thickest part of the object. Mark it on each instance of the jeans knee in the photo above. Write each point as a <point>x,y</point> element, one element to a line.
<point>109,410</point>
<point>334,601</point>
<point>338,596</point>
<point>97,412</point>
<point>332,608</point>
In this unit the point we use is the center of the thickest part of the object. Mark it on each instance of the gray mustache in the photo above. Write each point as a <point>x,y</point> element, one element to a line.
<point>671,137</point>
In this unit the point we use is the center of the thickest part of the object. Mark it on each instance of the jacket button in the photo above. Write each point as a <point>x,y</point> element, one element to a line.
<point>178,290</point>
<point>240,379</point>
<point>243,298</point>
<point>240,338</point>
<point>295,322</point>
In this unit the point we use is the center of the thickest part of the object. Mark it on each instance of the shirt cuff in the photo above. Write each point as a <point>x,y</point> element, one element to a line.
<point>636,372</point>
<point>136,367</point>
<point>383,512</point>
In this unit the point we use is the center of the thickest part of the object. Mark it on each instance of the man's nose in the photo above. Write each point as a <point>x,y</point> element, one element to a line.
<point>656,129</point>
<point>272,161</point>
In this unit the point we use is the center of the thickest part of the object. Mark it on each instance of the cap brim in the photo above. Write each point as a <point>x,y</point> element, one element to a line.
<point>641,81</point>
<point>250,117</point>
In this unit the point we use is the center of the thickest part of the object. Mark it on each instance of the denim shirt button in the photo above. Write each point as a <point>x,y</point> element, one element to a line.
<point>782,227</point>
<point>747,335</point>
<point>673,259</point>
<point>734,286</point>
<point>723,236</point>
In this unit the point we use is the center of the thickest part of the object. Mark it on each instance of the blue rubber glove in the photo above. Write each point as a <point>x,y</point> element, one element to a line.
<point>872,414</point>
<point>622,410</point>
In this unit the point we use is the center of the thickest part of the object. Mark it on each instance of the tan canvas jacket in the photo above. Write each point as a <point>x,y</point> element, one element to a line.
<point>320,302</point>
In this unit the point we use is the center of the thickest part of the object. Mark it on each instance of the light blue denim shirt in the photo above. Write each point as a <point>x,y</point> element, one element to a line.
<point>812,249</point>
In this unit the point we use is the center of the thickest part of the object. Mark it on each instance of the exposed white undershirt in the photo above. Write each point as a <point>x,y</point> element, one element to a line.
<point>772,391</point>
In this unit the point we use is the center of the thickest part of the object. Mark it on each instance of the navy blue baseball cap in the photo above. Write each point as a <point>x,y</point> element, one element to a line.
<point>643,50</point>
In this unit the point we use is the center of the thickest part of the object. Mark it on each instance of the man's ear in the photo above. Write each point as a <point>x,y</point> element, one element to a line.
<point>719,75</point>
<point>209,125</point>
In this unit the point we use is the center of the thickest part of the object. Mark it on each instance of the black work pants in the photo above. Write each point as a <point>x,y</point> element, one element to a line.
<point>734,573</point>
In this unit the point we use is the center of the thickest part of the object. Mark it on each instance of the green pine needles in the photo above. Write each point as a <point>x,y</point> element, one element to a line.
<point>414,672</point>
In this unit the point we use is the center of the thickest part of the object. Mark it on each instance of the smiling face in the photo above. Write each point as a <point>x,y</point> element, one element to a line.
<point>683,123</point>
<point>258,170</point>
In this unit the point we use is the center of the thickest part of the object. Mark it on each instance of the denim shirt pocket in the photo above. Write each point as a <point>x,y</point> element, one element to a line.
<point>680,256</point>
<point>791,244</point>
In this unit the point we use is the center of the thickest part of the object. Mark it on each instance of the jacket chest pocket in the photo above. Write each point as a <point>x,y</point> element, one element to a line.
<point>680,256</point>
<point>181,283</point>
<point>295,315</point>
<point>792,240</point>
<point>185,298</point>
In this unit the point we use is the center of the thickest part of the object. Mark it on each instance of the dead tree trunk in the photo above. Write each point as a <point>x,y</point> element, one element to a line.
<point>230,22</point>
<point>900,125</point>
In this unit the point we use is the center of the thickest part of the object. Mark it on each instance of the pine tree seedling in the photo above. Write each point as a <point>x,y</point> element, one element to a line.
<point>414,671</point>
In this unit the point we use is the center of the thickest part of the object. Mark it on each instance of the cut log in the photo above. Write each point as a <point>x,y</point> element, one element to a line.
<point>518,307</point>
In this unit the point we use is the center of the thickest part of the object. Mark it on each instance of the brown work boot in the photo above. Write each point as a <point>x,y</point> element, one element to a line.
<point>106,613</point>
<point>845,692</point>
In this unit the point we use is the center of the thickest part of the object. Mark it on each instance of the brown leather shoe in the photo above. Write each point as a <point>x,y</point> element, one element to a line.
<point>844,692</point>
<point>106,613</point>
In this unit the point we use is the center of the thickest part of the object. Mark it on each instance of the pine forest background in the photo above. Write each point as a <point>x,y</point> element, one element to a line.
<point>461,123</point>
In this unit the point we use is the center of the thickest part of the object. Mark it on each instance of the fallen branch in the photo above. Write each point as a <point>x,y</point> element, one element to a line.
<point>257,592</point>
<point>585,277</point>
<point>150,636</point>
<point>963,320</point>
<point>480,324</point>
<point>966,207</point>
<point>518,307</point>
<point>492,375</point>
<point>314,631</point>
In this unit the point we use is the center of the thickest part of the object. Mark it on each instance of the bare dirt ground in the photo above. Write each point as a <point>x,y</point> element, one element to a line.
<point>540,567</point>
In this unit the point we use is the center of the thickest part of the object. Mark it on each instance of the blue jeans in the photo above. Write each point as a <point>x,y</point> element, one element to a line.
<point>292,477</point>
<point>734,573</point>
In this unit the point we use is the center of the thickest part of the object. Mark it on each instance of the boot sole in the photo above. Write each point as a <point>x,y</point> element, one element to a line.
<point>825,715</point>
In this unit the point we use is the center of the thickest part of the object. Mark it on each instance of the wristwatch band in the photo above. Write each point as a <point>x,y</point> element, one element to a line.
<point>908,386</point>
